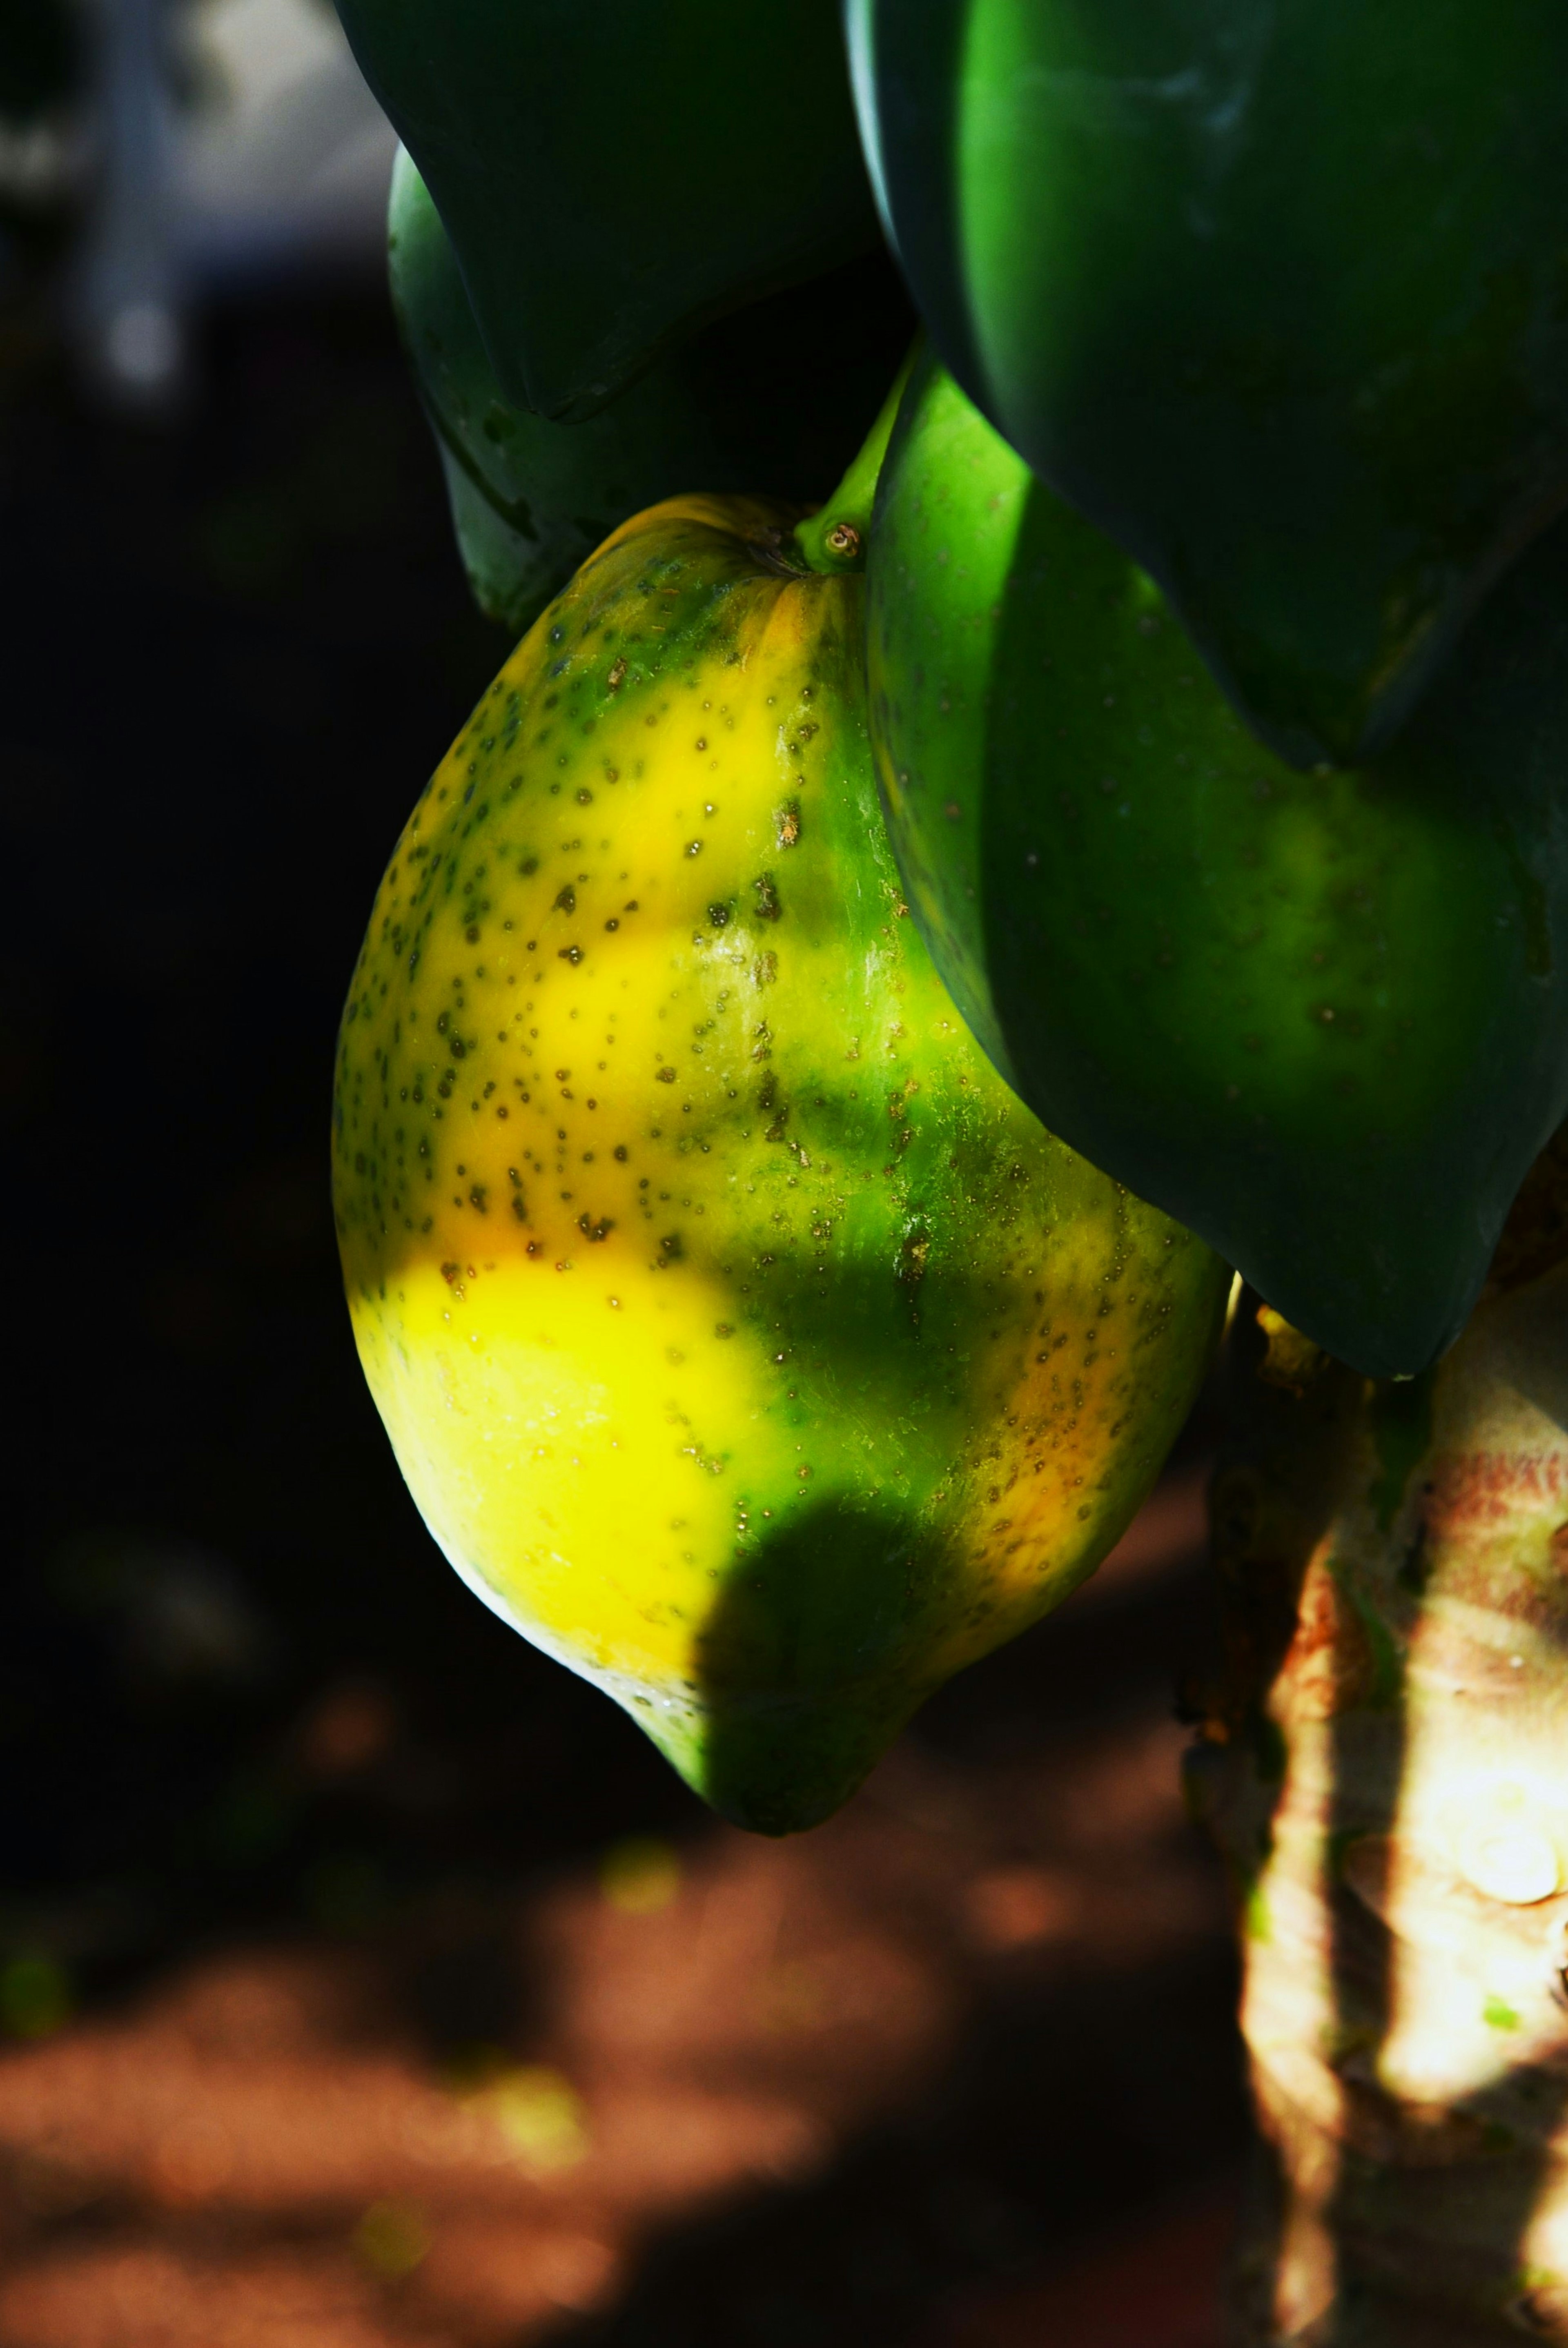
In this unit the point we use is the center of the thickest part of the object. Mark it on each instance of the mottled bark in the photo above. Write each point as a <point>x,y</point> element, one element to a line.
<point>1384,1763</point>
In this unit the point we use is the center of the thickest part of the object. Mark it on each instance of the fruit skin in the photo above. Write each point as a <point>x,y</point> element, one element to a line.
<point>1319,1018</point>
<point>532,500</point>
<point>611,177</point>
<point>1270,289</point>
<point>743,1341</point>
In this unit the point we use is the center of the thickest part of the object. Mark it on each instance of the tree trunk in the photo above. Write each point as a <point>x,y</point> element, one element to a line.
<point>1384,1763</point>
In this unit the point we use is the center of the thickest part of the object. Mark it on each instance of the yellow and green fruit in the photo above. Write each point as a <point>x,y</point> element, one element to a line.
<point>744,1341</point>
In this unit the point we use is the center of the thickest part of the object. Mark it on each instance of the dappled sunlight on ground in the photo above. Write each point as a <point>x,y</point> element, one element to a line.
<point>259,2145</point>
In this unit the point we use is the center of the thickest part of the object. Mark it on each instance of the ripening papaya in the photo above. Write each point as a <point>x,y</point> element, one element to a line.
<point>1270,289</point>
<point>743,1340</point>
<point>1323,1018</point>
<point>530,500</point>
<point>612,177</point>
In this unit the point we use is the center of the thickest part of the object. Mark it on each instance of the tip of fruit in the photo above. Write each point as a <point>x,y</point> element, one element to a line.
<point>778,1765</point>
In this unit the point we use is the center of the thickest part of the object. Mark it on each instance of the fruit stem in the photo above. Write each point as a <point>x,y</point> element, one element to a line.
<point>834,539</point>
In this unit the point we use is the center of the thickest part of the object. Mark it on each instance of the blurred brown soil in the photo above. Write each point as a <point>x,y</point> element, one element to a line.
<point>1152,2285</point>
<point>256,2147</point>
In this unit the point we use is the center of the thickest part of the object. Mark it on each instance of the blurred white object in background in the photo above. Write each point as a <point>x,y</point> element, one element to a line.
<point>127,294</point>
<point>229,140</point>
<point>285,156</point>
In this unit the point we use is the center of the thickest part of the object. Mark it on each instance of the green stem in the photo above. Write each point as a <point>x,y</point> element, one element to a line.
<point>834,539</point>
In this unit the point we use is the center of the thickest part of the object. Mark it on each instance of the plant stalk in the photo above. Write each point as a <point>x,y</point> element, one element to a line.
<point>1383,1762</point>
